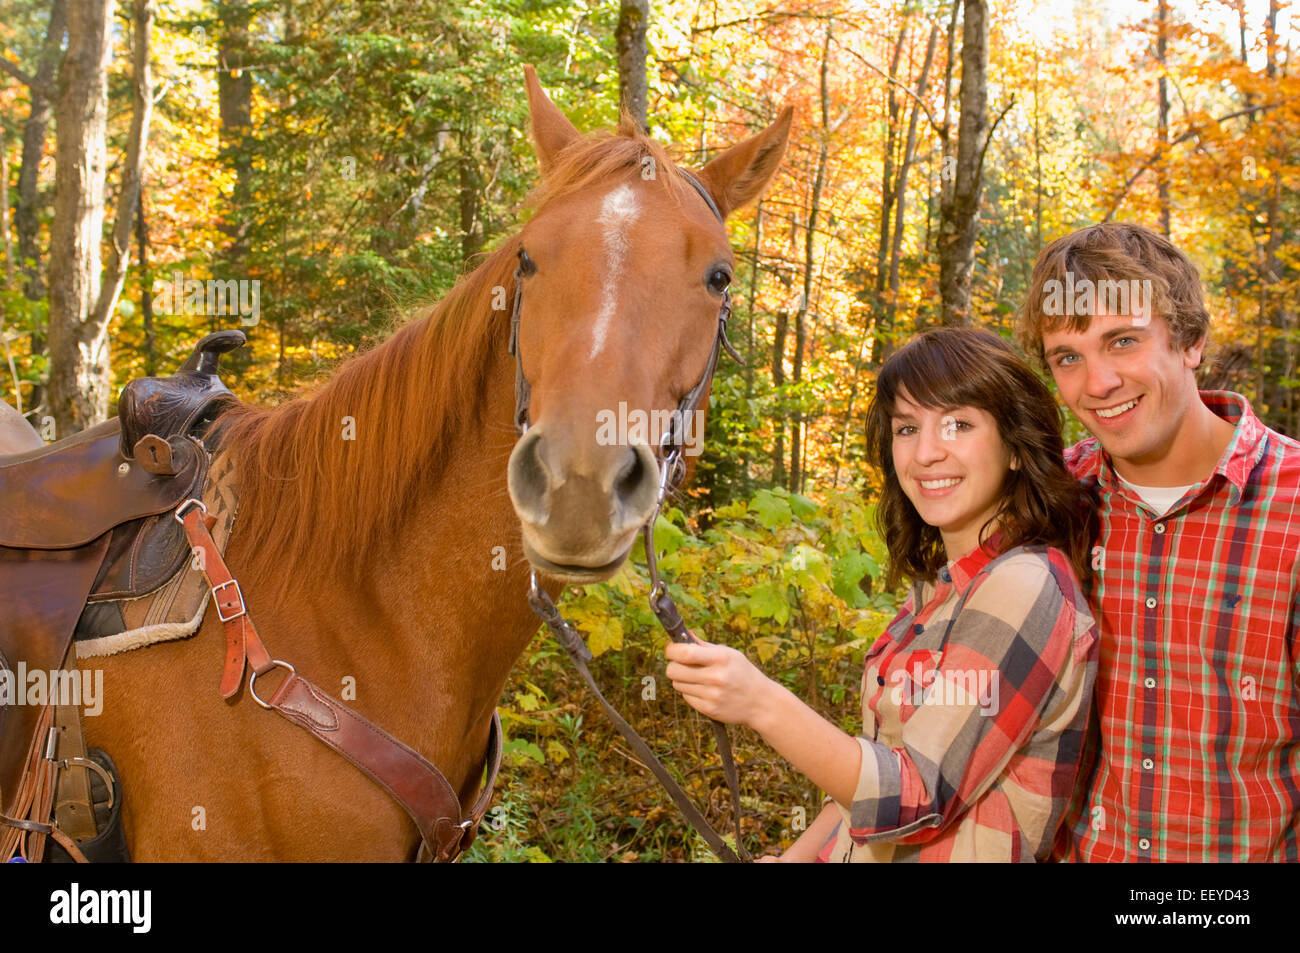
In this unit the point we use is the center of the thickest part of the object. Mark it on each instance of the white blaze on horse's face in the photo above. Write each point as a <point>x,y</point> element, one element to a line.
<point>618,213</point>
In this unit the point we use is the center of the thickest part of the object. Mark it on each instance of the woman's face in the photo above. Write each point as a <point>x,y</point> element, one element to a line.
<point>951,463</point>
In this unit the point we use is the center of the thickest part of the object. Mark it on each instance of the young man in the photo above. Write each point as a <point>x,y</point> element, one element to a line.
<point>1196,589</point>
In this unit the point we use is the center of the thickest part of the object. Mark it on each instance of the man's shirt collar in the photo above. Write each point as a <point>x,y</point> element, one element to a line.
<point>1088,462</point>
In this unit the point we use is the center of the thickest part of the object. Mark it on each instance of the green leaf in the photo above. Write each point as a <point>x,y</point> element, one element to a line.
<point>847,573</point>
<point>556,752</point>
<point>771,510</point>
<point>803,507</point>
<point>523,748</point>
<point>768,602</point>
<point>807,561</point>
<point>667,536</point>
<point>732,511</point>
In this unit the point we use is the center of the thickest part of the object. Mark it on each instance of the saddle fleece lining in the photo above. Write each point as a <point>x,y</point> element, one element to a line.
<point>175,609</point>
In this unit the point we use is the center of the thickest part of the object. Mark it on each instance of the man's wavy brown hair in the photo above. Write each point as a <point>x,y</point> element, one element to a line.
<point>1116,251</point>
<point>1042,504</point>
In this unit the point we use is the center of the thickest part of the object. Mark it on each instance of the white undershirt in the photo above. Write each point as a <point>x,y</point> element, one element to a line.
<point>1159,498</point>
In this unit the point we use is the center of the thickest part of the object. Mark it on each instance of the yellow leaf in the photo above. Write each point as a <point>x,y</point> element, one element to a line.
<point>767,647</point>
<point>556,752</point>
<point>604,634</point>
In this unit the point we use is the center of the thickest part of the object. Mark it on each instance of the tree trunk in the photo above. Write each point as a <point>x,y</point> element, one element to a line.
<point>884,343</point>
<point>4,211</point>
<point>887,163</point>
<point>959,209</point>
<point>470,195</point>
<point>146,287</point>
<point>810,244</point>
<point>27,214</point>
<point>235,104</point>
<point>79,368</point>
<point>752,300</point>
<point>81,298</point>
<point>778,380</point>
<point>633,18</point>
<point>900,192</point>
<point>1162,120</point>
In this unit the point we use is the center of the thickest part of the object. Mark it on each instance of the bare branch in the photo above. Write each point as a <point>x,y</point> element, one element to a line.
<point>874,68</point>
<point>31,82</point>
<point>993,128</point>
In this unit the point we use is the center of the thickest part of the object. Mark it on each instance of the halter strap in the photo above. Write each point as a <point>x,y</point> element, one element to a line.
<point>704,193</point>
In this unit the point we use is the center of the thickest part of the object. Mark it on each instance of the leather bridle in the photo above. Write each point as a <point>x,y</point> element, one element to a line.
<point>672,471</point>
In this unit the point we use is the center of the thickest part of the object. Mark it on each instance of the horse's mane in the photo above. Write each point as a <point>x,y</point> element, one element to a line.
<point>407,398</point>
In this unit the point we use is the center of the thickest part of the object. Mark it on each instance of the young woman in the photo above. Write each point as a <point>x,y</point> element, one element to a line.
<point>976,697</point>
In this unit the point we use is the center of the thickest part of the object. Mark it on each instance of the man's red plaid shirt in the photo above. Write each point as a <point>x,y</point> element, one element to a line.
<point>1199,610</point>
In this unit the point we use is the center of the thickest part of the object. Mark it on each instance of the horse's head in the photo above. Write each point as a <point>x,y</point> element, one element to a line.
<point>623,276</point>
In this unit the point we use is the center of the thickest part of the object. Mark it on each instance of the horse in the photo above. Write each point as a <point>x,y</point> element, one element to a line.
<point>389,521</point>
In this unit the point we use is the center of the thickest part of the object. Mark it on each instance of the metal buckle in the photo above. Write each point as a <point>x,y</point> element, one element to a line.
<point>243,609</point>
<point>183,510</point>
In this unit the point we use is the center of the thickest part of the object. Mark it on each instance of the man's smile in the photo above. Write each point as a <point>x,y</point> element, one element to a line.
<point>1115,412</point>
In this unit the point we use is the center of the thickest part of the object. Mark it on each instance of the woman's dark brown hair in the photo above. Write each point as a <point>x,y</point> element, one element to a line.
<point>1041,503</point>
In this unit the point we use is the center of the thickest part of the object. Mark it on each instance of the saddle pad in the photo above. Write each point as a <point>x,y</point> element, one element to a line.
<point>175,610</point>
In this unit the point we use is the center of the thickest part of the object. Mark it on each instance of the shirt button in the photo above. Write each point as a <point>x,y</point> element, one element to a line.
<point>880,679</point>
<point>1151,602</point>
<point>1159,528</point>
<point>1144,844</point>
<point>1150,682</point>
<point>945,575</point>
<point>1148,764</point>
<point>918,629</point>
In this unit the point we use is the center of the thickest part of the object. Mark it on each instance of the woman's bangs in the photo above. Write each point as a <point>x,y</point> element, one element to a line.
<point>934,374</point>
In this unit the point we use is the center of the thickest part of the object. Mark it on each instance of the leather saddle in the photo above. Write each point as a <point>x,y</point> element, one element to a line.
<point>90,518</point>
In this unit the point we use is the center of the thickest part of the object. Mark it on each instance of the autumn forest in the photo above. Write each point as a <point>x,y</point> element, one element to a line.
<point>336,165</point>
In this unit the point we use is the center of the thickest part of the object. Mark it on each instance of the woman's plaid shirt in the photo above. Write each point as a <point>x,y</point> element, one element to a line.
<point>974,711</point>
<point>1197,686</point>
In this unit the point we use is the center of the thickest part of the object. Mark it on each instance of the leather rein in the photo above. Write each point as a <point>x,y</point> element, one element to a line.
<point>672,471</point>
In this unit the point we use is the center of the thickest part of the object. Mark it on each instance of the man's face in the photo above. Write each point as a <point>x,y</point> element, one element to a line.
<point>1125,383</point>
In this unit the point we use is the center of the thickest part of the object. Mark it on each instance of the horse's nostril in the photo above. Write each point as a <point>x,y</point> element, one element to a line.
<point>528,477</point>
<point>631,476</point>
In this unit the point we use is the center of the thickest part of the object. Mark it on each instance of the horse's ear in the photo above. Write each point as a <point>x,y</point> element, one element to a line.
<point>552,130</point>
<point>740,174</point>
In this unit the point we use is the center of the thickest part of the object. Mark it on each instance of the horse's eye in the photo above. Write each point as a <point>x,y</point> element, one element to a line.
<point>526,265</point>
<point>719,280</point>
